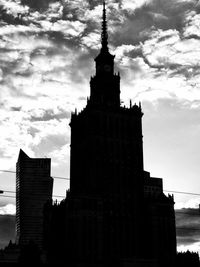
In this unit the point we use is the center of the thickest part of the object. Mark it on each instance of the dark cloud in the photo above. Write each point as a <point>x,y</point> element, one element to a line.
<point>130,32</point>
<point>184,70</point>
<point>136,52</point>
<point>157,14</point>
<point>75,10</point>
<point>162,64</point>
<point>188,226</point>
<point>7,229</point>
<point>192,36</point>
<point>10,18</point>
<point>40,5</point>
<point>185,240</point>
<point>15,108</point>
<point>9,67</point>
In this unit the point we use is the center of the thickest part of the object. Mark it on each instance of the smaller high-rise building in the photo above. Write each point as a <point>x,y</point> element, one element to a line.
<point>34,187</point>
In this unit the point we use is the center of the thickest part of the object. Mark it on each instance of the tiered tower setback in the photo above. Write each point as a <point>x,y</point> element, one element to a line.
<point>106,139</point>
<point>115,213</point>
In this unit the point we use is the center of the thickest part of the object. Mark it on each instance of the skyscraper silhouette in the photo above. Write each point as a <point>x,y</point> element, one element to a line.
<point>33,189</point>
<point>106,139</point>
<point>114,211</point>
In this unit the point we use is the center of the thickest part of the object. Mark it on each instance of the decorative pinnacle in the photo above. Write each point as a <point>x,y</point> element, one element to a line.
<point>104,34</point>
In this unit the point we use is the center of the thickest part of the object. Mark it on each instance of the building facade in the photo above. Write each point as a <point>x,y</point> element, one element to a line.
<point>114,212</point>
<point>33,189</point>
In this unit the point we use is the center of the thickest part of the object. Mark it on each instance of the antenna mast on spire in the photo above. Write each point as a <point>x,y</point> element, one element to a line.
<point>104,34</point>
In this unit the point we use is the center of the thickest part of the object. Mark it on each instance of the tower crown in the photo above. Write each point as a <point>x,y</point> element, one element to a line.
<point>104,61</point>
<point>105,85</point>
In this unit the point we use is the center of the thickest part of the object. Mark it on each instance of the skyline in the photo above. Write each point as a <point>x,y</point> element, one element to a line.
<point>44,69</point>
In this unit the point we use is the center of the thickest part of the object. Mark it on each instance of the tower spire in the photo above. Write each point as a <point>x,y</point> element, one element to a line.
<point>104,34</point>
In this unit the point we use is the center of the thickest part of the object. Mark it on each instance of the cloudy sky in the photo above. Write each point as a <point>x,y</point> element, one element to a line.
<point>46,61</point>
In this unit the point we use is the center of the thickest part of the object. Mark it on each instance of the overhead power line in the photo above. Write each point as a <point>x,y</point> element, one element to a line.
<point>15,197</point>
<point>6,191</point>
<point>166,190</point>
<point>181,192</point>
<point>14,172</point>
<point>13,192</point>
<point>7,171</point>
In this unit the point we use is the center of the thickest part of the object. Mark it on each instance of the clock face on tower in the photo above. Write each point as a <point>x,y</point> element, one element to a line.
<point>107,68</point>
<point>104,68</point>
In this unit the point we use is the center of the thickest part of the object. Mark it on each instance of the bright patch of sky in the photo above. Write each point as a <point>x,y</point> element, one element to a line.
<point>9,209</point>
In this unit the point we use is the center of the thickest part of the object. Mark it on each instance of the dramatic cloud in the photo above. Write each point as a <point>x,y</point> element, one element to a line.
<point>187,223</point>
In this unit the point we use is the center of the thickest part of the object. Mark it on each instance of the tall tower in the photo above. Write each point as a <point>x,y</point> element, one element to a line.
<point>106,139</point>
<point>115,212</point>
<point>33,189</point>
<point>106,166</point>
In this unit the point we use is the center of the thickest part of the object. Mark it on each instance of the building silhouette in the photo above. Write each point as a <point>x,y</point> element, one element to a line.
<point>33,189</point>
<point>187,258</point>
<point>114,212</point>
